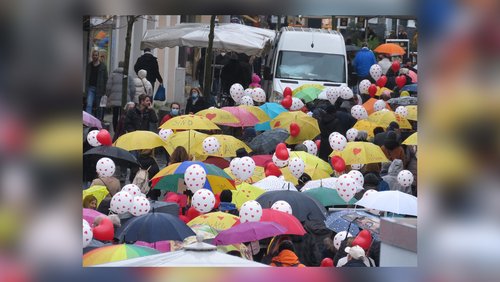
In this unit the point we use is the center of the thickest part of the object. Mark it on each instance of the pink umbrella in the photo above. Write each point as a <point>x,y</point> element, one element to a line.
<point>91,121</point>
<point>248,232</point>
<point>413,75</point>
<point>262,160</point>
<point>89,215</point>
<point>246,118</point>
<point>162,246</point>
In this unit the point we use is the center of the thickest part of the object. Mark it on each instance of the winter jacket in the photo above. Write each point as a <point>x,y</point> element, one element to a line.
<point>149,63</point>
<point>286,258</point>
<point>228,208</point>
<point>363,60</point>
<point>392,177</point>
<point>142,86</point>
<point>396,153</point>
<point>355,263</point>
<point>199,105</point>
<point>102,78</point>
<point>137,120</point>
<point>338,122</point>
<point>309,246</point>
<point>114,88</point>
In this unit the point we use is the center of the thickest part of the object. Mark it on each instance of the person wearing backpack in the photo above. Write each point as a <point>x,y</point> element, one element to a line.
<point>286,256</point>
<point>141,176</point>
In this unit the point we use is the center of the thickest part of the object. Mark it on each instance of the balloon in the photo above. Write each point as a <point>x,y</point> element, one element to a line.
<point>192,213</point>
<point>195,177</point>
<point>272,169</point>
<point>259,95</point>
<point>297,104</point>
<point>296,167</point>
<point>364,85</point>
<point>92,138</point>
<point>246,100</point>
<point>345,92</point>
<point>236,92</point>
<point>121,202</point>
<point>278,162</point>
<point>184,218</point>
<point>372,90</point>
<point>104,231</point>
<point>402,110</point>
<point>248,92</point>
<point>87,234</point>
<point>360,180</point>
<point>404,94</point>
<point>104,137</point>
<point>379,105</point>
<point>203,200</point>
<point>327,262</point>
<point>405,178</point>
<point>105,167</point>
<point>395,66</point>
<point>287,92</point>
<point>282,206</point>
<point>250,211</point>
<point>233,165</point>
<point>375,71</point>
<point>282,152</point>
<point>287,102</point>
<point>401,81</point>
<point>217,200</point>
<point>132,189</point>
<point>245,168</point>
<point>311,147</point>
<point>338,163</point>
<point>351,134</point>
<point>294,129</point>
<point>363,239</point>
<point>165,133</point>
<point>359,112</point>
<point>346,187</point>
<point>318,143</point>
<point>369,192</point>
<point>337,141</point>
<point>332,94</point>
<point>140,206</point>
<point>339,237</point>
<point>382,81</point>
<point>211,145</point>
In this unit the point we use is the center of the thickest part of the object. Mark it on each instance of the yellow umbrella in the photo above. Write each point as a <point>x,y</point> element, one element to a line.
<point>139,140</point>
<point>218,116</point>
<point>258,174</point>
<point>312,161</point>
<point>381,90</point>
<point>313,171</point>
<point>365,125</point>
<point>309,128</point>
<point>412,112</point>
<point>245,192</point>
<point>189,122</point>
<point>217,220</point>
<point>228,146</point>
<point>361,153</point>
<point>187,139</point>
<point>98,191</point>
<point>257,112</point>
<point>384,118</point>
<point>411,140</point>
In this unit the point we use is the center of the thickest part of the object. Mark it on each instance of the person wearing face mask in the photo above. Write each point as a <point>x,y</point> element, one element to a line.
<point>195,102</point>
<point>174,111</point>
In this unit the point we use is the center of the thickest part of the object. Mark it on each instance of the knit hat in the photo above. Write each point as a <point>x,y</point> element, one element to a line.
<point>356,252</point>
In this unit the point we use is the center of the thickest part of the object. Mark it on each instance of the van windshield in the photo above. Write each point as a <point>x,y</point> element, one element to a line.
<point>311,66</point>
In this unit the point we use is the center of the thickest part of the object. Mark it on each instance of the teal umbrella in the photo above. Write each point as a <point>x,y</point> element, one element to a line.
<point>327,196</point>
<point>272,110</point>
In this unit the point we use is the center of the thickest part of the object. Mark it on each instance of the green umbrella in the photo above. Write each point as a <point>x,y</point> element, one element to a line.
<point>327,196</point>
<point>308,92</point>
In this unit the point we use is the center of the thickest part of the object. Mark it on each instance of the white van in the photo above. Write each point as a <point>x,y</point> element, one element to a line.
<point>303,56</point>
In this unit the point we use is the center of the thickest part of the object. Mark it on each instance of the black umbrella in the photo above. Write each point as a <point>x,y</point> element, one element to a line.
<point>154,227</point>
<point>266,142</point>
<point>120,156</point>
<point>164,207</point>
<point>95,244</point>
<point>303,206</point>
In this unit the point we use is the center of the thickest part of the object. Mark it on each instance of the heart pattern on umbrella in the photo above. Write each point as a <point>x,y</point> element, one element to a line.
<point>356,151</point>
<point>210,116</point>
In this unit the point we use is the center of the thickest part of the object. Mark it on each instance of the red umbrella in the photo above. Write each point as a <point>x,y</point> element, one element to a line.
<point>290,222</point>
<point>217,161</point>
<point>262,160</point>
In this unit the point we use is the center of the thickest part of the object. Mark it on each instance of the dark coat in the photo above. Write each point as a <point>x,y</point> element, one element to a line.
<point>333,122</point>
<point>236,72</point>
<point>308,247</point>
<point>149,63</point>
<point>355,263</point>
<point>102,79</point>
<point>200,104</point>
<point>137,120</point>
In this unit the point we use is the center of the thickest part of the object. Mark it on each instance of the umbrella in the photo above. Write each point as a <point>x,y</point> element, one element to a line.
<point>303,206</point>
<point>98,191</point>
<point>309,127</point>
<point>384,118</point>
<point>273,183</point>
<point>164,207</point>
<point>272,110</point>
<point>218,162</point>
<point>91,121</point>
<point>410,88</point>
<point>413,75</point>
<point>361,153</point>
<point>262,160</point>
<point>116,253</point>
<point>139,140</point>
<point>266,141</point>
<point>161,246</point>
<point>217,220</point>
<point>189,122</point>
<point>366,125</point>
<point>336,222</point>
<point>228,146</point>
<point>313,171</point>
<point>218,116</point>
<point>312,161</point>
<point>412,112</point>
<point>206,231</point>
<point>308,92</point>
<point>325,182</point>
<point>153,227</point>
<point>188,139</point>
<point>391,201</point>
<point>368,105</point>
<point>248,232</point>
<point>390,48</point>
<point>261,115</point>
<point>170,177</point>
<point>94,244</point>
<point>258,175</point>
<point>246,117</point>
<point>339,221</point>
<point>403,101</point>
<point>327,196</point>
<point>120,156</point>
<point>411,140</point>
<point>246,192</point>
<point>89,215</point>
<point>290,222</point>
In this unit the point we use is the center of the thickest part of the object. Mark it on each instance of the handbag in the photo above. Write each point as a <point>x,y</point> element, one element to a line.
<point>160,93</point>
<point>104,101</point>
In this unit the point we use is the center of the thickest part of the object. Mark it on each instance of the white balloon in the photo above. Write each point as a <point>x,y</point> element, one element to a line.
<point>92,138</point>
<point>359,112</point>
<point>296,167</point>
<point>121,202</point>
<point>233,165</point>
<point>297,104</point>
<point>311,147</point>
<point>245,168</point>
<point>337,141</point>
<point>282,206</point>
<point>259,95</point>
<point>165,133</point>
<point>140,206</point>
<point>246,100</point>
<point>132,189</point>
<point>211,145</point>
<point>346,92</point>
<point>379,105</point>
<point>376,71</point>
<point>278,162</point>
<point>195,177</point>
<point>105,167</point>
<point>405,178</point>
<point>332,94</point>
<point>402,110</point>
<point>357,166</point>
<point>250,211</point>
<point>87,233</point>
<point>339,237</point>
<point>248,92</point>
<point>360,180</point>
<point>351,134</point>
<point>346,187</point>
<point>203,200</point>
<point>369,192</point>
<point>236,92</point>
<point>364,85</point>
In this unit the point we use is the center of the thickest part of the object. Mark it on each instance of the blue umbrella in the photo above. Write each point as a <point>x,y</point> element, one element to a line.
<point>339,221</point>
<point>272,110</point>
<point>410,88</point>
<point>154,227</point>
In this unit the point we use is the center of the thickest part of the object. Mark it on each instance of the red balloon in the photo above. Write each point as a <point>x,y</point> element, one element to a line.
<point>217,200</point>
<point>104,137</point>
<point>363,239</point>
<point>184,218</point>
<point>318,143</point>
<point>382,81</point>
<point>372,90</point>
<point>294,129</point>
<point>338,163</point>
<point>282,152</point>
<point>287,92</point>
<point>400,81</point>
<point>287,102</point>
<point>104,231</point>
<point>192,213</point>
<point>395,66</point>
<point>272,169</point>
<point>327,262</point>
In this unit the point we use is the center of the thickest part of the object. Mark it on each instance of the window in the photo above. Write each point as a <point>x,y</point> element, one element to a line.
<point>311,66</point>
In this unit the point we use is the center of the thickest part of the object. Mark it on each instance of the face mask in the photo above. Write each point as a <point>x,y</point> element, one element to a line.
<point>174,112</point>
<point>195,95</point>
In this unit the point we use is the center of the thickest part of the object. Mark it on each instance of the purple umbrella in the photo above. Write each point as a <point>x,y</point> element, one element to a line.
<point>249,231</point>
<point>91,121</point>
<point>89,215</point>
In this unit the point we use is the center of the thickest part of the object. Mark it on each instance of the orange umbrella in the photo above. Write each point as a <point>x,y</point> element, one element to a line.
<point>390,48</point>
<point>368,105</point>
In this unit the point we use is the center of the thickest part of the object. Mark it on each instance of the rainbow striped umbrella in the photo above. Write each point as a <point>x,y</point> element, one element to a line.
<point>116,253</point>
